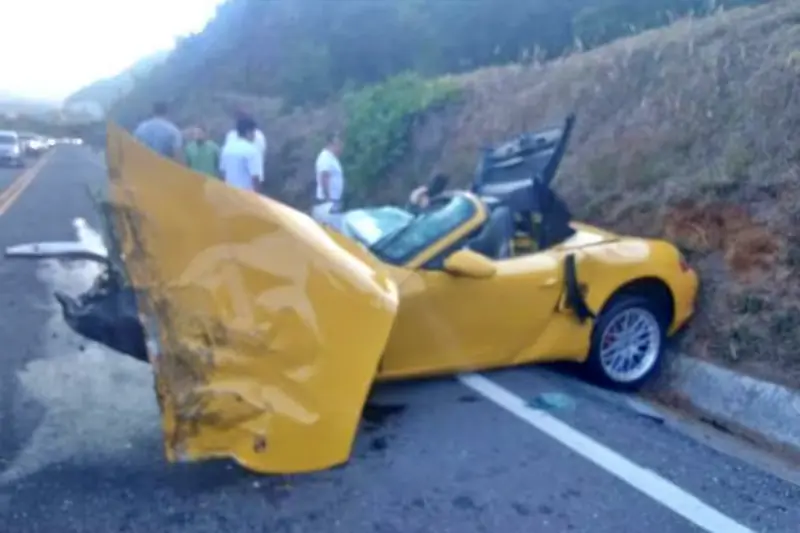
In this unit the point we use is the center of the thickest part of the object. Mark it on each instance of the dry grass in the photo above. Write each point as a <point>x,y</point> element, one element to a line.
<point>690,132</point>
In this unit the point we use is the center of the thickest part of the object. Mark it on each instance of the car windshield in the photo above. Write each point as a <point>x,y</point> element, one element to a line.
<point>371,225</point>
<point>7,139</point>
<point>421,232</point>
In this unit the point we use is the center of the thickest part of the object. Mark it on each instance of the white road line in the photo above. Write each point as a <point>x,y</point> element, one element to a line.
<point>642,479</point>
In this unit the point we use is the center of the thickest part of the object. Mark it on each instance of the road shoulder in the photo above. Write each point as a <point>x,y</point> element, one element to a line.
<point>760,411</point>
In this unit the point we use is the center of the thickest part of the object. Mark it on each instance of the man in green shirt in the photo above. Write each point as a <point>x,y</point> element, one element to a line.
<point>202,154</point>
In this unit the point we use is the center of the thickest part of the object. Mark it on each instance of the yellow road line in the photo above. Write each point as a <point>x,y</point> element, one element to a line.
<point>20,180</point>
<point>15,183</point>
<point>9,196</point>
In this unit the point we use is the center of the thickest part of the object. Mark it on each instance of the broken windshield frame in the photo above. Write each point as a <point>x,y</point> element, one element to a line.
<point>407,241</point>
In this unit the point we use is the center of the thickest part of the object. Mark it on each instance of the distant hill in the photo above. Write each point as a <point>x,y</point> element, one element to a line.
<point>11,103</point>
<point>106,92</point>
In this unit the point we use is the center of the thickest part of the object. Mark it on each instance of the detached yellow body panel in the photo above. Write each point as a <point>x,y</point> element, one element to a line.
<point>269,330</point>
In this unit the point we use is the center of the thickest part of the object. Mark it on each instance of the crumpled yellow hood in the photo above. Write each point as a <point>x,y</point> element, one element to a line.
<point>269,328</point>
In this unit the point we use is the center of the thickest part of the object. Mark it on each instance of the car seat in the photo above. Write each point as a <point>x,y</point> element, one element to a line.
<point>494,239</point>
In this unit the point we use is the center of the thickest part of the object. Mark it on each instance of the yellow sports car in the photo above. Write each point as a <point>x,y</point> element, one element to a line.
<point>266,331</point>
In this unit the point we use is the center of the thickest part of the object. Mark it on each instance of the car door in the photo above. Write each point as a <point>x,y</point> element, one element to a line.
<point>447,323</point>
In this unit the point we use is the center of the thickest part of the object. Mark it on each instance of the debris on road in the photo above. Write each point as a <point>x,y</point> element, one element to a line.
<point>552,401</point>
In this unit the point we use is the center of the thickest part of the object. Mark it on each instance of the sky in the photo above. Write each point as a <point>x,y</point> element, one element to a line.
<point>51,48</point>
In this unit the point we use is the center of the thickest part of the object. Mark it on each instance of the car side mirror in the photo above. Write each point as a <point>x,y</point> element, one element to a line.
<point>469,264</point>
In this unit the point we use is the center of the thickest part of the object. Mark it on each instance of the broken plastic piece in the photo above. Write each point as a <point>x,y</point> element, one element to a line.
<point>550,401</point>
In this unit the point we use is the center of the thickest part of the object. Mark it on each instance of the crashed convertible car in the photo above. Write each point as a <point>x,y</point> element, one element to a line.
<point>266,331</point>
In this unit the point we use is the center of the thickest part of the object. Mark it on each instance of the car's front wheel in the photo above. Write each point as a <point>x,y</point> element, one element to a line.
<point>628,343</point>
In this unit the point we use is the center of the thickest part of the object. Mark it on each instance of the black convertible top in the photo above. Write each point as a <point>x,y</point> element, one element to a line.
<point>511,167</point>
<point>518,174</point>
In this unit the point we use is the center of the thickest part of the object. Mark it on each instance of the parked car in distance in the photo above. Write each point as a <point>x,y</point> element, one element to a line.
<point>11,149</point>
<point>33,144</point>
<point>25,139</point>
<point>69,140</point>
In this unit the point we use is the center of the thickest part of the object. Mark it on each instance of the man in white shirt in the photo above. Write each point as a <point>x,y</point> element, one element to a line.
<point>330,184</point>
<point>259,140</point>
<point>239,162</point>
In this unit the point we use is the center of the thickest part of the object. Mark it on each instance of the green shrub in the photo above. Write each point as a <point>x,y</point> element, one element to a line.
<point>380,119</point>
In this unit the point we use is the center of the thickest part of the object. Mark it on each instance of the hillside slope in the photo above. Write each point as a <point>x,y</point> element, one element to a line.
<point>305,52</point>
<point>689,132</point>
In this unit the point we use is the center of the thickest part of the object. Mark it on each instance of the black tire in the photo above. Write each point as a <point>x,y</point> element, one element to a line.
<point>653,317</point>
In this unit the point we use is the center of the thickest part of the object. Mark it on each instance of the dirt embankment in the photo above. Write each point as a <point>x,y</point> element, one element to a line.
<point>691,132</point>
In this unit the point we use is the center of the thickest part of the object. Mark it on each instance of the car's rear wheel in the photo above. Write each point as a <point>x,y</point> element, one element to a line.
<point>628,343</point>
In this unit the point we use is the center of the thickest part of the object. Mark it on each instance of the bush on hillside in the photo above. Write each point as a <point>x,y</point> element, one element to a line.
<point>380,119</point>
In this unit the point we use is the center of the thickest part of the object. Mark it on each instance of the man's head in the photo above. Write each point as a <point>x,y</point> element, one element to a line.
<point>334,143</point>
<point>160,109</point>
<point>246,128</point>
<point>200,134</point>
<point>240,114</point>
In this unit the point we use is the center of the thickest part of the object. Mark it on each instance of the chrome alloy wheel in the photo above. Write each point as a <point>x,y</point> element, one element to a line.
<point>630,345</point>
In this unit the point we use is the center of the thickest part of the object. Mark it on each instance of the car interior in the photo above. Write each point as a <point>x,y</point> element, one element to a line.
<point>513,179</point>
<point>427,228</point>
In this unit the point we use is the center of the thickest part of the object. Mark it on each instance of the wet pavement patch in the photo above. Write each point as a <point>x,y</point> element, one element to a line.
<point>521,509</point>
<point>376,416</point>
<point>465,503</point>
<point>379,444</point>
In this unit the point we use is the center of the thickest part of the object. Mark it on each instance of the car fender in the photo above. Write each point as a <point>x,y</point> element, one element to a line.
<point>594,274</point>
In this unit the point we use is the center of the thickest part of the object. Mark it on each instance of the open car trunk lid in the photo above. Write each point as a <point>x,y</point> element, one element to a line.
<point>266,329</point>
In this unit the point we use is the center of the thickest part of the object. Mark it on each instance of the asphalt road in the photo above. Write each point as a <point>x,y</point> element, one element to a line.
<point>80,443</point>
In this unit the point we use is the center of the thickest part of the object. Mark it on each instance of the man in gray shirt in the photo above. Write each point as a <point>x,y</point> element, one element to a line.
<point>161,135</point>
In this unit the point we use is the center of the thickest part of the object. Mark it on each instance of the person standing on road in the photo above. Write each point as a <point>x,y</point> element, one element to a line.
<point>239,161</point>
<point>202,154</point>
<point>160,135</point>
<point>330,184</point>
<point>259,140</point>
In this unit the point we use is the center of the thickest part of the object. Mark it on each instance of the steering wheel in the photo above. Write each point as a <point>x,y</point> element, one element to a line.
<point>437,195</point>
<point>439,200</point>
